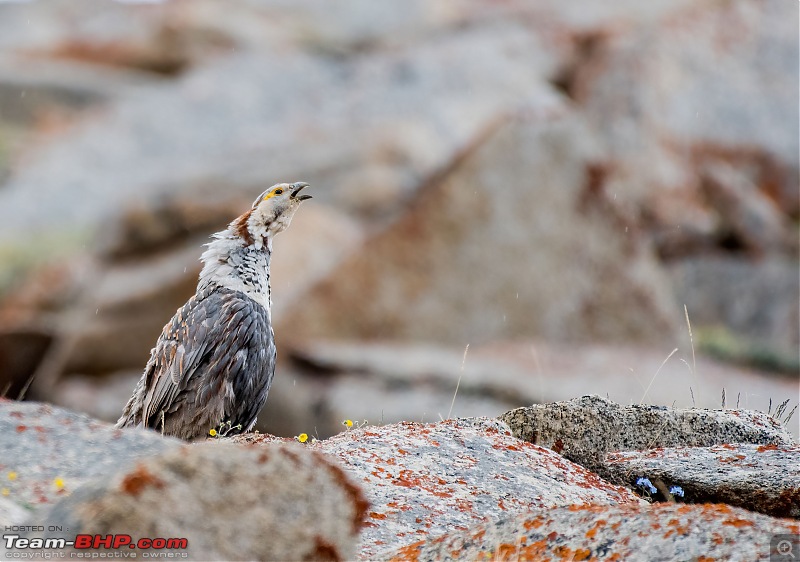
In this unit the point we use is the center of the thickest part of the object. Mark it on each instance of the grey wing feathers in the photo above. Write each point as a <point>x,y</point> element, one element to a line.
<point>207,367</point>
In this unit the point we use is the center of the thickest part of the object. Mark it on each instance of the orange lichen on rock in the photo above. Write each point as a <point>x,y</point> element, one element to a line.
<point>135,482</point>
<point>408,553</point>
<point>591,533</point>
<point>738,523</point>
<point>507,551</point>
<point>532,524</point>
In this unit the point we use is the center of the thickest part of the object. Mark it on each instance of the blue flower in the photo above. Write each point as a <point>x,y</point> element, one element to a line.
<point>645,483</point>
<point>676,491</point>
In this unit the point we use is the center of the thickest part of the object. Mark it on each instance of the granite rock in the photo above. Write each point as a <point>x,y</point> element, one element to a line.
<point>426,479</point>
<point>761,478</point>
<point>585,429</point>
<point>298,504</point>
<point>503,215</point>
<point>659,533</point>
<point>51,452</point>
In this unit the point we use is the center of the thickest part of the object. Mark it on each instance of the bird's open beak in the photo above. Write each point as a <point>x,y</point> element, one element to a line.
<point>297,188</point>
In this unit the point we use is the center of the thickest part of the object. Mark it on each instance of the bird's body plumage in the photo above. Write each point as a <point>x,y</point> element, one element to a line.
<point>217,347</point>
<point>214,360</point>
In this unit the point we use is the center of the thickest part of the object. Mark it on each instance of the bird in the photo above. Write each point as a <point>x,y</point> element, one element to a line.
<point>212,366</point>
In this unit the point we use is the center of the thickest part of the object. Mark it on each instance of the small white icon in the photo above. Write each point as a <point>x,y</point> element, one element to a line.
<point>785,548</point>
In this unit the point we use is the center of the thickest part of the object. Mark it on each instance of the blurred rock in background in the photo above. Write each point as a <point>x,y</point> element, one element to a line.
<point>547,184</point>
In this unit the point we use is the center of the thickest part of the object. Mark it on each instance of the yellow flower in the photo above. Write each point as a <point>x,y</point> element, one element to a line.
<point>12,475</point>
<point>4,491</point>
<point>348,423</point>
<point>59,483</point>
<point>212,432</point>
<point>303,437</point>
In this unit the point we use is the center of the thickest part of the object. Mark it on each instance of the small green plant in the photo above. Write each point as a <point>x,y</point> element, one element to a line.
<point>780,411</point>
<point>224,429</point>
<point>350,424</point>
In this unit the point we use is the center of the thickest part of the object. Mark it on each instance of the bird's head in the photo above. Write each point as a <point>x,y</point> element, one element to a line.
<point>271,213</point>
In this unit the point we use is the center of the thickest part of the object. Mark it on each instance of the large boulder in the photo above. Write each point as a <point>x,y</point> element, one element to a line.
<point>51,452</point>
<point>677,94</point>
<point>697,110</point>
<point>762,478</point>
<point>278,502</point>
<point>664,532</point>
<point>492,250</point>
<point>585,429</point>
<point>426,479</point>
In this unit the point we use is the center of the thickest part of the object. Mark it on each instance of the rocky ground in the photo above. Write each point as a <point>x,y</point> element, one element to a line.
<point>461,489</point>
<point>555,186</point>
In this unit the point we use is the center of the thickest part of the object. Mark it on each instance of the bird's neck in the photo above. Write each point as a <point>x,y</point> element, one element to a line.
<point>232,264</point>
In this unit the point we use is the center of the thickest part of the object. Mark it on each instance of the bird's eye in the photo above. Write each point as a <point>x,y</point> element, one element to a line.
<point>278,191</point>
